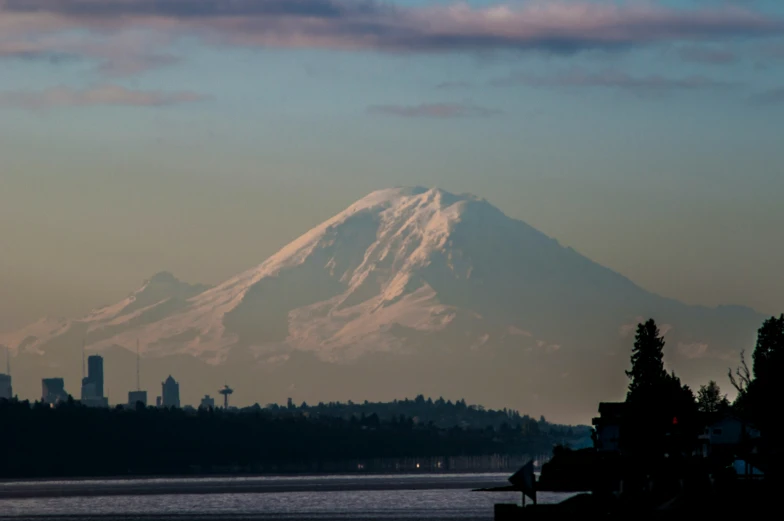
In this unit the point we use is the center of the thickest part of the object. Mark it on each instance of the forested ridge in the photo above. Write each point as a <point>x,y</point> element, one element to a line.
<point>72,440</point>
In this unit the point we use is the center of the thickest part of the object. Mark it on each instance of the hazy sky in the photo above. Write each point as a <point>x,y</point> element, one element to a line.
<point>199,136</point>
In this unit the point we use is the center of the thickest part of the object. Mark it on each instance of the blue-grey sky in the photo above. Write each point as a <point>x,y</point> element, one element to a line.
<point>199,136</point>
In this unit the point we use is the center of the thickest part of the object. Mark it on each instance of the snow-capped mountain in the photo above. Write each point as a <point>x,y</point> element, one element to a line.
<point>408,290</point>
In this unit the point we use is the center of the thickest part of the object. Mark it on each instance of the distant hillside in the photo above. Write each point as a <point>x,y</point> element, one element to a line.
<point>443,414</point>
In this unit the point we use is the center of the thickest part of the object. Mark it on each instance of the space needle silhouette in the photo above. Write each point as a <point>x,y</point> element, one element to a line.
<point>226,391</point>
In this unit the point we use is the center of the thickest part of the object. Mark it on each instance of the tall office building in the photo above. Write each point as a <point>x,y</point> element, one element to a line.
<point>53,390</point>
<point>95,373</point>
<point>207,402</point>
<point>170,393</point>
<point>92,385</point>
<point>5,387</point>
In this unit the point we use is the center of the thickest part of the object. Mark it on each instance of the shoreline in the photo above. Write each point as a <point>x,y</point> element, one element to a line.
<point>250,485</point>
<point>253,475</point>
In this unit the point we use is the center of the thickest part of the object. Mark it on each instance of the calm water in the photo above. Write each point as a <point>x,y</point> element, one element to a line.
<point>392,497</point>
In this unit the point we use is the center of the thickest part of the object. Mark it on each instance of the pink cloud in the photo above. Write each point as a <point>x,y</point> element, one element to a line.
<point>557,26</point>
<point>707,55</point>
<point>100,95</point>
<point>433,110</point>
<point>132,65</point>
<point>453,85</point>
<point>693,350</point>
<point>627,329</point>
<point>651,84</point>
<point>124,53</point>
<point>517,331</point>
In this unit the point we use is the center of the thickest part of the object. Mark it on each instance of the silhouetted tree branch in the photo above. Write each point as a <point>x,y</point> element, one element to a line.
<point>742,377</point>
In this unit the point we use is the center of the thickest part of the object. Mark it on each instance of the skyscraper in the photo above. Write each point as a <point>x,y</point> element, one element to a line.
<point>92,385</point>
<point>95,373</point>
<point>5,387</point>
<point>170,393</point>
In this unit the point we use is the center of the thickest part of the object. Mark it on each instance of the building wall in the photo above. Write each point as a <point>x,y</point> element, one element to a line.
<point>89,390</point>
<point>52,389</point>
<point>728,431</point>
<point>137,396</point>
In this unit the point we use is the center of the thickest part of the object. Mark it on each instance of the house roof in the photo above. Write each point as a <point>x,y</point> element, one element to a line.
<point>612,408</point>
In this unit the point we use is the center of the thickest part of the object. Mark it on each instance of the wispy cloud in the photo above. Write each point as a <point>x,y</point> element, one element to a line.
<point>59,97</point>
<point>693,350</point>
<point>555,26</point>
<point>767,52</point>
<point>124,66</point>
<point>434,110</point>
<point>769,97</point>
<point>35,54</point>
<point>123,53</point>
<point>652,84</point>
<point>101,9</point>
<point>707,55</point>
<point>448,85</point>
<point>773,51</point>
<point>627,329</point>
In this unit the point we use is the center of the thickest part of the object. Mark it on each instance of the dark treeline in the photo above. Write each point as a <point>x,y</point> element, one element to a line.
<point>72,440</point>
<point>441,413</point>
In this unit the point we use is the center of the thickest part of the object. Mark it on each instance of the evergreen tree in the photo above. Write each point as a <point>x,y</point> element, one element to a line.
<point>660,410</point>
<point>758,390</point>
<point>679,399</point>
<point>710,399</point>
<point>768,358</point>
<point>647,374</point>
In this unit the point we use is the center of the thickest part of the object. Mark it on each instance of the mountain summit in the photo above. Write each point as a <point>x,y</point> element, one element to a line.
<point>408,290</point>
